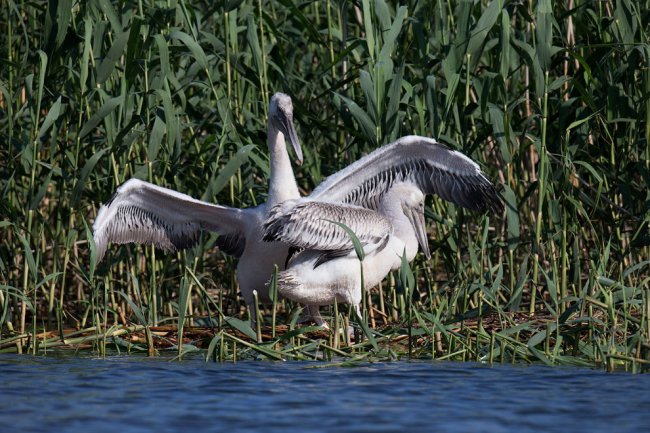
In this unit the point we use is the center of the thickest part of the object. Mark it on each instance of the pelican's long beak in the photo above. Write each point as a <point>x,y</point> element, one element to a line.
<point>416,216</point>
<point>293,138</point>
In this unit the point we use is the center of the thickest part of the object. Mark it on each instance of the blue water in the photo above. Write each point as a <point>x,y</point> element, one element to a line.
<point>133,394</point>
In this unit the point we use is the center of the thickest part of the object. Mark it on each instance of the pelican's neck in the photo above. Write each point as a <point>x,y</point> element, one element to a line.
<point>282,184</point>
<point>391,207</point>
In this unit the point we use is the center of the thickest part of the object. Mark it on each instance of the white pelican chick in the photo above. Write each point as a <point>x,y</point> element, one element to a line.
<point>327,270</point>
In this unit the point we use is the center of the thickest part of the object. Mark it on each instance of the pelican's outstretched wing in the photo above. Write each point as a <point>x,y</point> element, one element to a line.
<point>432,166</point>
<point>308,225</point>
<point>143,213</point>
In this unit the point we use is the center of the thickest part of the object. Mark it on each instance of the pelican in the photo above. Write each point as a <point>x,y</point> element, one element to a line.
<point>144,213</point>
<point>380,197</point>
<point>327,268</point>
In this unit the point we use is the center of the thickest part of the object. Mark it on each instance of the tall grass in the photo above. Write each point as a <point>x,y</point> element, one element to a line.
<point>552,99</point>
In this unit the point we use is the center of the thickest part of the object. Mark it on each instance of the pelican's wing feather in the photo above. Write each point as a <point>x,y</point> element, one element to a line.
<point>143,213</point>
<point>432,166</point>
<point>309,225</point>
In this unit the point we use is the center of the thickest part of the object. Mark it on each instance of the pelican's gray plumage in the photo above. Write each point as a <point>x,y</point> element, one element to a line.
<point>327,268</point>
<point>307,225</point>
<point>144,213</point>
<point>431,166</point>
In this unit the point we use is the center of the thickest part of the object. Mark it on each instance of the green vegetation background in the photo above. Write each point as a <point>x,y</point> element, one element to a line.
<point>551,98</point>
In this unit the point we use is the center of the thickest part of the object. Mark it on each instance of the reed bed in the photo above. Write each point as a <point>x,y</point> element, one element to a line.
<point>551,98</point>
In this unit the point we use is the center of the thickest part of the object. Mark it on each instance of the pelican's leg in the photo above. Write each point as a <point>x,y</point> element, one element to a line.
<point>351,338</point>
<point>314,312</point>
<point>351,331</point>
<point>358,309</point>
<point>249,300</point>
<point>305,314</point>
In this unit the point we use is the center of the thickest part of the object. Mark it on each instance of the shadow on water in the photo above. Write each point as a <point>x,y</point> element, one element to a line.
<point>133,394</point>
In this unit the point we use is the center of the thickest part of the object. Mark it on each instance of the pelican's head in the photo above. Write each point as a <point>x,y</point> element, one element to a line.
<point>281,119</point>
<point>412,200</point>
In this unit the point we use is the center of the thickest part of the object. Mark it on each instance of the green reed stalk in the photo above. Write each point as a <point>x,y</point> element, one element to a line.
<point>330,39</point>
<point>258,317</point>
<point>540,198</point>
<point>468,57</point>
<point>273,289</point>
<point>227,66</point>
<point>264,78</point>
<point>153,298</point>
<point>337,326</point>
<point>564,260</point>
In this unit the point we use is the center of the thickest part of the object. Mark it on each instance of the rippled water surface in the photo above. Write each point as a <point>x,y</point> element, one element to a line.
<point>132,394</point>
